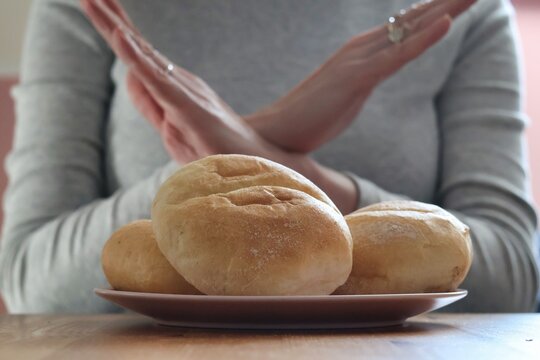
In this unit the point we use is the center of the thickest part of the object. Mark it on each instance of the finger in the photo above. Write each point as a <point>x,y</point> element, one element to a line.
<point>170,132</point>
<point>108,16</point>
<point>155,80</point>
<point>113,15</point>
<point>112,19</point>
<point>164,88</point>
<point>436,9</point>
<point>451,8</point>
<point>119,11</point>
<point>415,19</point>
<point>162,62</point>
<point>100,21</point>
<point>394,57</point>
<point>191,85</point>
<point>144,102</point>
<point>375,39</point>
<point>176,143</point>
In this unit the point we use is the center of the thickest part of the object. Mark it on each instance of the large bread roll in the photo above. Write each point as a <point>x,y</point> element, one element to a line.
<point>228,236</point>
<point>132,261</point>
<point>223,173</point>
<point>406,247</point>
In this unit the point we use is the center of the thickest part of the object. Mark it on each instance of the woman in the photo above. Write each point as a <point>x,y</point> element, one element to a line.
<point>446,128</point>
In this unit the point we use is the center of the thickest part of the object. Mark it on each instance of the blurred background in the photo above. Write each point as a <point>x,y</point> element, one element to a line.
<point>13,14</point>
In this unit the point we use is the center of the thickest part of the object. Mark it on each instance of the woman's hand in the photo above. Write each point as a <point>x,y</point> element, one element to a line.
<point>324,104</point>
<point>192,119</point>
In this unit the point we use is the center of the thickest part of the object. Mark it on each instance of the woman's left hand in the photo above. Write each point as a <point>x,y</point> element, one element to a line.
<point>191,118</point>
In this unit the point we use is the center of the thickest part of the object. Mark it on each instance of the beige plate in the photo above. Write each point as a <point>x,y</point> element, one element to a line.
<point>280,312</point>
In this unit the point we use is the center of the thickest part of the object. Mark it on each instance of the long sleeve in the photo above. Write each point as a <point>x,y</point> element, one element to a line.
<point>483,175</point>
<point>58,212</point>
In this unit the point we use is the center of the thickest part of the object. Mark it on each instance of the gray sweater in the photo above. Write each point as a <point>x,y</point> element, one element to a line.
<point>447,129</point>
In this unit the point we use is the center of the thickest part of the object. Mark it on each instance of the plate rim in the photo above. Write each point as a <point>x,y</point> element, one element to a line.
<point>280,298</point>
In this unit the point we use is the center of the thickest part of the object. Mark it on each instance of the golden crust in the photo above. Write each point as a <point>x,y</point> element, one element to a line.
<point>132,261</point>
<point>223,173</point>
<point>258,240</point>
<point>406,247</point>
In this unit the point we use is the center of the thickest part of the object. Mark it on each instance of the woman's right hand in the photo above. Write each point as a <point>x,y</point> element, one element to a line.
<point>324,104</point>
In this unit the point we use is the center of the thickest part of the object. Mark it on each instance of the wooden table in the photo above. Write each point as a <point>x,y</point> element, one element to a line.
<point>433,336</point>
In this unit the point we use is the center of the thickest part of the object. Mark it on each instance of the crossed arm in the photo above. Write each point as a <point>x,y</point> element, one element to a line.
<point>195,122</point>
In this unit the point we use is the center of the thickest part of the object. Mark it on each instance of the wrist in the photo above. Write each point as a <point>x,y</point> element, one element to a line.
<point>340,188</point>
<point>301,163</point>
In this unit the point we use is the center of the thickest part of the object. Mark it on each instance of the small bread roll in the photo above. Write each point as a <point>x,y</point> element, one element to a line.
<point>258,240</point>
<point>132,261</point>
<point>406,247</point>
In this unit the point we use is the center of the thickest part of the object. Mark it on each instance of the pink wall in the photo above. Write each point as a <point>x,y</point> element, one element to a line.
<point>6,127</point>
<point>528,14</point>
<point>6,131</point>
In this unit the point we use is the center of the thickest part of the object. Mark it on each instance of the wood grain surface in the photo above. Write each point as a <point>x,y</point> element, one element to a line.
<point>434,336</point>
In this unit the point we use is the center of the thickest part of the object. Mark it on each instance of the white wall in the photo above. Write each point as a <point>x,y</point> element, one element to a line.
<point>13,15</point>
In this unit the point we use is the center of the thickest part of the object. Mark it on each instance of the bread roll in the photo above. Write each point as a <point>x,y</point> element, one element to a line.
<point>132,261</point>
<point>406,247</point>
<point>223,173</point>
<point>258,240</point>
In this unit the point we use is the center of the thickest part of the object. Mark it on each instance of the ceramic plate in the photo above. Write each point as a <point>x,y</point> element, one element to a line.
<point>280,312</point>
